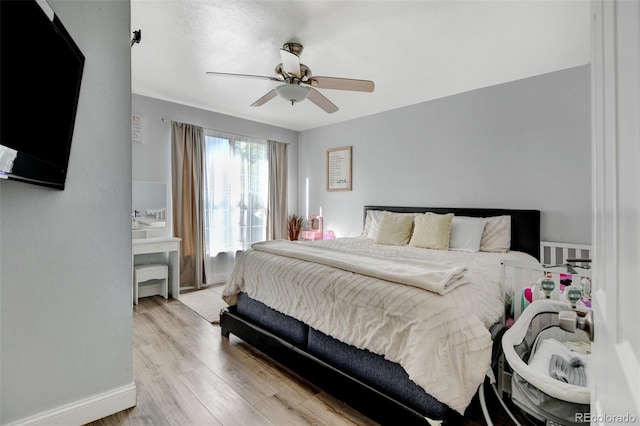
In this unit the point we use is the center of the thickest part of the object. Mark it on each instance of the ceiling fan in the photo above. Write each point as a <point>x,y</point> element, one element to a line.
<point>300,84</point>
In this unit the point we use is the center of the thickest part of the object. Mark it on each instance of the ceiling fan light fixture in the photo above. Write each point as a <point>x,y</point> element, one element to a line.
<point>293,92</point>
<point>299,82</point>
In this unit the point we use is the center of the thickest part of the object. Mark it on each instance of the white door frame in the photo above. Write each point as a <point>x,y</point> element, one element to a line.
<point>615,75</point>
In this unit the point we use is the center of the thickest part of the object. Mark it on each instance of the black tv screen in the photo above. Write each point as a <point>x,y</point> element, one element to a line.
<point>40,75</point>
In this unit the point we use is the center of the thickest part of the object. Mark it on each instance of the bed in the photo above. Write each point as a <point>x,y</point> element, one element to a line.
<point>392,324</point>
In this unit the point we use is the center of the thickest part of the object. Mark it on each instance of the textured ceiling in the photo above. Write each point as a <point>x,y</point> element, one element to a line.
<point>414,51</point>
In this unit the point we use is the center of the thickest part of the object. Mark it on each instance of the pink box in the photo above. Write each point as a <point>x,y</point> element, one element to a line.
<point>311,235</point>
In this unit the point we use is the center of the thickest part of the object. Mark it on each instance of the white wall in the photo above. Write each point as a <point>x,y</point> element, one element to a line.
<point>152,156</point>
<point>65,266</point>
<point>524,144</point>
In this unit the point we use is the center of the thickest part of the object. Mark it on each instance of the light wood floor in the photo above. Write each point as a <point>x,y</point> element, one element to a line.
<point>187,374</point>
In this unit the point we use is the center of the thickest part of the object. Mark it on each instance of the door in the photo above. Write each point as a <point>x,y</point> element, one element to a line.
<point>616,213</point>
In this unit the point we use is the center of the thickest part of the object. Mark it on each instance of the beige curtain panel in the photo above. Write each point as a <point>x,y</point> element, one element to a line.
<point>277,209</point>
<point>187,148</point>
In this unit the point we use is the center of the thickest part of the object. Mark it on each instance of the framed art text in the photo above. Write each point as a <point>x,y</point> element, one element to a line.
<point>339,169</point>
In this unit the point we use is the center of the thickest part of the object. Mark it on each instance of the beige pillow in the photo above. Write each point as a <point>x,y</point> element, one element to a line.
<point>394,229</point>
<point>374,223</point>
<point>432,231</point>
<point>496,237</point>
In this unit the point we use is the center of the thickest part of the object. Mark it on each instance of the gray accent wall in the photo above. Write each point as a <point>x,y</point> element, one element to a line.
<point>65,265</point>
<point>522,145</point>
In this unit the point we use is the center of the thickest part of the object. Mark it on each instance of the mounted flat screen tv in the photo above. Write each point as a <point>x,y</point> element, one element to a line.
<point>40,76</point>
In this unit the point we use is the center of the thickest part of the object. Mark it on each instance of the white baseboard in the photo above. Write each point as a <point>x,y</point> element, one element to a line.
<point>86,410</point>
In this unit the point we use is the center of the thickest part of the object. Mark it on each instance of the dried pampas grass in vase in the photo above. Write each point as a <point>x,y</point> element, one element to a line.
<point>295,226</point>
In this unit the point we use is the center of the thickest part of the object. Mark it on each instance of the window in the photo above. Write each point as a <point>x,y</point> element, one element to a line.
<point>235,194</point>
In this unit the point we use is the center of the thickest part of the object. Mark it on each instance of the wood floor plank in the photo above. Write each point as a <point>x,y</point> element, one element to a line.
<point>327,413</point>
<point>344,410</point>
<point>188,375</point>
<point>289,385</point>
<point>243,375</point>
<point>176,403</point>
<point>281,412</point>
<point>227,405</point>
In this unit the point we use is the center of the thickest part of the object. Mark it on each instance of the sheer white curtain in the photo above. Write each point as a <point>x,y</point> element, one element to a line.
<point>236,176</point>
<point>222,195</point>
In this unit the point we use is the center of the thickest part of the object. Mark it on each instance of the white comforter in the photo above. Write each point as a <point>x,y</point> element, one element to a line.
<point>442,341</point>
<point>432,276</point>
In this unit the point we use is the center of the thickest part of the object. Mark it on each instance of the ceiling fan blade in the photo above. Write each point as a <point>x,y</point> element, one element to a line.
<point>319,99</point>
<point>341,84</point>
<point>266,98</point>
<point>227,74</point>
<point>290,63</point>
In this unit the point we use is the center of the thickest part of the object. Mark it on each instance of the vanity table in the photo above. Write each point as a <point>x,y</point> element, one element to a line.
<point>170,245</point>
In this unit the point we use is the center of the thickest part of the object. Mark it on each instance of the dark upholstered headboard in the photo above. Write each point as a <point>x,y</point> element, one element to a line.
<point>525,224</point>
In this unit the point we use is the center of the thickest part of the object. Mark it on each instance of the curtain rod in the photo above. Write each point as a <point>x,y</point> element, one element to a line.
<point>165,120</point>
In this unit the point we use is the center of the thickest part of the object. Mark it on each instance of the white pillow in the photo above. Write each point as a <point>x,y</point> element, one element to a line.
<point>496,237</point>
<point>466,233</point>
<point>374,224</point>
<point>367,222</point>
<point>432,231</point>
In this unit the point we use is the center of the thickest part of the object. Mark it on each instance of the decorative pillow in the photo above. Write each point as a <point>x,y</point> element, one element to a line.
<point>394,229</point>
<point>372,223</point>
<point>372,220</point>
<point>367,222</point>
<point>432,231</point>
<point>466,233</point>
<point>376,215</point>
<point>496,237</point>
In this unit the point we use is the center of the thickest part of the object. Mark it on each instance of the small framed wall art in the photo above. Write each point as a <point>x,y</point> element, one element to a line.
<point>136,128</point>
<point>339,169</point>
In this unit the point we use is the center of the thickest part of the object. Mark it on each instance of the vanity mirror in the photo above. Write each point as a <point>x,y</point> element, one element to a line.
<point>149,207</point>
